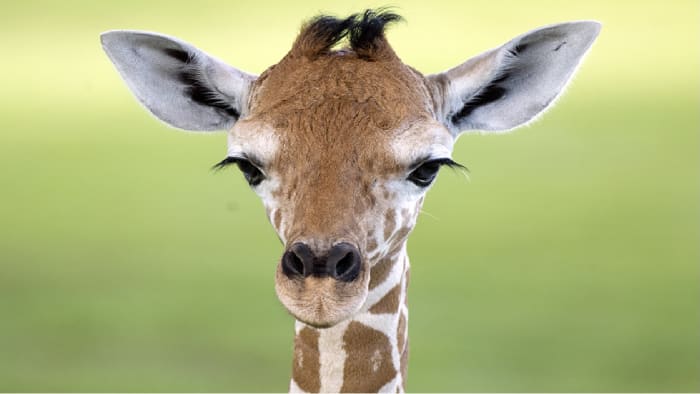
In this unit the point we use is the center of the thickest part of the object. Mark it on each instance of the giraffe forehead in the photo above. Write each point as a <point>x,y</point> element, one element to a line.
<point>338,74</point>
<point>251,138</point>
<point>339,97</point>
<point>328,129</point>
<point>424,139</point>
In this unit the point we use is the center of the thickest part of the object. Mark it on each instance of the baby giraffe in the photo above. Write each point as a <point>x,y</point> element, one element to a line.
<point>341,145</point>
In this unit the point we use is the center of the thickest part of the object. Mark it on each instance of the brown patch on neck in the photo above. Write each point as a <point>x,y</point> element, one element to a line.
<point>389,303</point>
<point>306,365</point>
<point>381,271</point>
<point>368,366</point>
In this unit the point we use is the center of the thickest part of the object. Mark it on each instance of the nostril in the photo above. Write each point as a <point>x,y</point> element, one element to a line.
<point>298,260</point>
<point>344,265</point>
<point>344,262</point>
<point>292,264</point>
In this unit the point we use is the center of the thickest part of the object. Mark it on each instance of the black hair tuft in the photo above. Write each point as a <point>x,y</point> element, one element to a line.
<point>365,32</point>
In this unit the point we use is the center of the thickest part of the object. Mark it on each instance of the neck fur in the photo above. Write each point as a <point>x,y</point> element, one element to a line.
<point>366,353</point>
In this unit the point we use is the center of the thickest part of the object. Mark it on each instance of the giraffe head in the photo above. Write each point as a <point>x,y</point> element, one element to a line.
<point>342,145</point>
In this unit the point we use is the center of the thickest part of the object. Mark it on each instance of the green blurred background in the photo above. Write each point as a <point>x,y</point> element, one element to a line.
<point>569,261</point>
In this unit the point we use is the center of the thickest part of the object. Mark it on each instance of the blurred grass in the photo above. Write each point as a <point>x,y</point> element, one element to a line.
<point>569,262</point>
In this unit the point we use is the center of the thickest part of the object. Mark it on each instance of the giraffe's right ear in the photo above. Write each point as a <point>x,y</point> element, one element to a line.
<point>178,83</point>
<point>511,85</point>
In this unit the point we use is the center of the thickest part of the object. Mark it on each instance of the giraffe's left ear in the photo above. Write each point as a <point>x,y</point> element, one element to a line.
<point>178,83</point>
<point>509,86</point>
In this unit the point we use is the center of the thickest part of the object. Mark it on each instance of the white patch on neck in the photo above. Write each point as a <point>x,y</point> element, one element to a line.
<point>332,357</point>
<point>392,386</point>
<point>298,326</point>
<point>294,387</point>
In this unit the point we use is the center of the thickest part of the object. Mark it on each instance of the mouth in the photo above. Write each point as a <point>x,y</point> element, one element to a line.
<point>321,302</point>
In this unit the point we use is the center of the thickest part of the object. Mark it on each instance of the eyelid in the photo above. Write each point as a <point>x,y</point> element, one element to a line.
<point>228,160</point>
<point>443,161</point>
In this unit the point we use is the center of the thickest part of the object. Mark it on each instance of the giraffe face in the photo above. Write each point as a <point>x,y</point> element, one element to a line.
<point>342,173</point>
<point>321,197</point>
<point>342,144</point>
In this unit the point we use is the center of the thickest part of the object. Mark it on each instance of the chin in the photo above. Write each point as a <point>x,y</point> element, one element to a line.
<point>321,302</point>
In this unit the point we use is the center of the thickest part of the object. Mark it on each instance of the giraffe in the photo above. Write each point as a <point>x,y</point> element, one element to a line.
<point>341,145</point>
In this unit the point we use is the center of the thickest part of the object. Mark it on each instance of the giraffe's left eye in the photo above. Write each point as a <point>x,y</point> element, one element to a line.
<point>425,173</point>
<point>251,172</point>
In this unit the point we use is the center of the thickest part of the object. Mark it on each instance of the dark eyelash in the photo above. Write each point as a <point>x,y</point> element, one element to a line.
<point>425,172</point>
<point>442,162</point>
<point>447,162</point>
<point>249,167</point>
<point>235,160</point>
<point>226,162</point>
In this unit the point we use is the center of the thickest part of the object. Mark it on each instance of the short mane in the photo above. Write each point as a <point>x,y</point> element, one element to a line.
<point>366,34</point>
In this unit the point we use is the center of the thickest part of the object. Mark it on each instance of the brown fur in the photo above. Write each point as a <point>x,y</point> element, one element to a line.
<point>305,370</point>
<point>330,127</point>
<point>335,115</point>
<point>363,344</point>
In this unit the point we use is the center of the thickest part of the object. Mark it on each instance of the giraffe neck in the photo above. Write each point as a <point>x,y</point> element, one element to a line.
<point>367,353</point>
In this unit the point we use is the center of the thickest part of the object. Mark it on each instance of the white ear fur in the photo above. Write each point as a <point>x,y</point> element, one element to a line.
<point>178,83</point>
<point>509,86</point>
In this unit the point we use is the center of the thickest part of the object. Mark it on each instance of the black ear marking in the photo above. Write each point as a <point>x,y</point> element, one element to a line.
<point>488,94</point>
<point>518,49</point>
<point>178,54</point>
<point>195,88</point>
<point>205,95</point>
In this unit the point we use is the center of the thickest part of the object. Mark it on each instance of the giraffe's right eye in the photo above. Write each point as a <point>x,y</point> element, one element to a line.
<point>425,173</point>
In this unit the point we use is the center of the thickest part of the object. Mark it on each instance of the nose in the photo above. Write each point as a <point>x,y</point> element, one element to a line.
<point>341,262</point>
